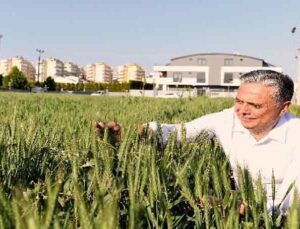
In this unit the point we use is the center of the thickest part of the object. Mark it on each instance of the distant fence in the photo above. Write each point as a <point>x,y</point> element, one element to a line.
<point>159,93</point>
<point>223,94</point>
<point>146,93</point>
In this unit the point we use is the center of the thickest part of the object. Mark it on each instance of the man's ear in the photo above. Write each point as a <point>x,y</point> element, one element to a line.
<point>285,107</point>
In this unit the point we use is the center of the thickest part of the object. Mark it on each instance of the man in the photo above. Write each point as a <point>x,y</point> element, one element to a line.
<point>258,133</point>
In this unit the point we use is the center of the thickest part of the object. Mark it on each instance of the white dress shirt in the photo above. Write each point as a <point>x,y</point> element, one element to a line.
<point>279,151</point>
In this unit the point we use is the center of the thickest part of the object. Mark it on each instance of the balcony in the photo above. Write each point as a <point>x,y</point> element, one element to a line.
<point>184,81</point>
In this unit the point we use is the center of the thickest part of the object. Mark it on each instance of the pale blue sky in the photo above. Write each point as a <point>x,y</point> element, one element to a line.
<point>149,32</point>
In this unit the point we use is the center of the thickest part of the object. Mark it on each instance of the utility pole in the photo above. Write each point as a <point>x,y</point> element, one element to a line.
<point>0,39</point>
<point>40,51</point>
<point>294,29</point>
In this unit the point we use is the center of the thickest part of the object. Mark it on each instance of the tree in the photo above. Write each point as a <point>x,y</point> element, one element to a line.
<point>50,83</point>
<point>30,84</point>
<point>15,78</point>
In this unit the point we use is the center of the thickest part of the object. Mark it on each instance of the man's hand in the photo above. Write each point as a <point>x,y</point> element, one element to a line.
<point>113,128</point>
<point>144,130</point>
<point>242,209</point>
<point>141,130</point>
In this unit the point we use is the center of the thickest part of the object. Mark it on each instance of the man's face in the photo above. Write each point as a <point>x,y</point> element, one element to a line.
<point>256,108</point>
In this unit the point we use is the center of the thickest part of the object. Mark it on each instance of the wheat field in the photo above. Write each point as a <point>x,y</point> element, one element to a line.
<point>56,173</point>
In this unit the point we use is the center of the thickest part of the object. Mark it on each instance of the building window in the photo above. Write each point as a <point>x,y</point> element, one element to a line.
<point>228,77</point>
<point>201,77</point>
<point>191,59</point>
<point>177,77</point>
<point>228,61</point>
<point>202,61</point>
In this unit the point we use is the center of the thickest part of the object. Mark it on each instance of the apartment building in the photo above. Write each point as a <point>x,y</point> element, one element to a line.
<point>5,66</point>
<point>207,71</point>
<point>82,73</point>
<point>51,67</point>
<point>71,69</point>
<point>99,73</point>
<point>129,72</point>
<point>25,66</point>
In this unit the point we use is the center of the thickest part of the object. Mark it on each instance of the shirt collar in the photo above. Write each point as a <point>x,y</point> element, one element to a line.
<point>278,133</point>
<point>237,126</point>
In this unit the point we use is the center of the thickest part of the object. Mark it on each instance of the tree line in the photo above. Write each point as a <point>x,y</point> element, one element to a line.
<point>15,79</point>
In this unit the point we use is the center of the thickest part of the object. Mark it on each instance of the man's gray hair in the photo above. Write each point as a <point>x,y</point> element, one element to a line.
<point>282,83</point>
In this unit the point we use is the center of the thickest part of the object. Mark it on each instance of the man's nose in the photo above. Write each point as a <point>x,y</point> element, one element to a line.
<point>244,108</point>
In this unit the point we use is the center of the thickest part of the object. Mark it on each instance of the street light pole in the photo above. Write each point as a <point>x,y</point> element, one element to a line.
<point>0,39</point>
<point>40,51</point>
<point>294,29</point>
